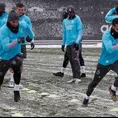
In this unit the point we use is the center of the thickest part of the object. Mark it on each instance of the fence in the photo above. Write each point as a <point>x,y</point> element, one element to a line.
<point>46,16</point>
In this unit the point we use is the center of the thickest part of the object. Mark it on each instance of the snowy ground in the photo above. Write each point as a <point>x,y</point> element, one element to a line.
<point>44,95</point>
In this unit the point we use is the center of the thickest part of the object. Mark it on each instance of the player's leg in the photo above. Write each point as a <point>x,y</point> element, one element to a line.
<point>99,75</point>
<point>65,63</point>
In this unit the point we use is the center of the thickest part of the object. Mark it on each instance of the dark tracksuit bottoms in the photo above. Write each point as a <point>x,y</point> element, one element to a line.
<point>66,59</point>
<point>72,56</point>
<point>100,74</point>
<point>15,63</point>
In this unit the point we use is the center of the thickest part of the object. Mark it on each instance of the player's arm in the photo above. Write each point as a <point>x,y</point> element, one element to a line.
<point>6,44</point>
<point>109,16</point>
<point>79,30</point>
<point>63,34</point>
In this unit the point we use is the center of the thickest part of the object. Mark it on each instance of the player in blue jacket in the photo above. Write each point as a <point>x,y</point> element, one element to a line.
<point>107,61</point>
<point>12,36</point>
<point>66,59</point>
<point>72,34</point>
<point>20,8</point>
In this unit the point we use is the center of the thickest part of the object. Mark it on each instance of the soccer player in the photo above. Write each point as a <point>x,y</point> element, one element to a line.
<point>72,33</point>
<point>66,59</point>
<point>107,61</point>
<point>12,36</point>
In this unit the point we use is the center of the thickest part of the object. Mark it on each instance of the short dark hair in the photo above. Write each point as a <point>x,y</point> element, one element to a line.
<point>20,5</point>
<point>115,21</point>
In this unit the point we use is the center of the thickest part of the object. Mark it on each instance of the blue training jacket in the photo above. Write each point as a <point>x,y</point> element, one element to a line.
<point>110,17</point>
<point>108,54</point>
<point>26,19</point>
<point>72,31</point>
<point>7,37</point>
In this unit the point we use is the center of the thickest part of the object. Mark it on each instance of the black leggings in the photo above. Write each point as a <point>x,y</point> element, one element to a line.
<point>71,56</point>
<point>81,59</point>
<point>15,64</point>
<point>100,74</point>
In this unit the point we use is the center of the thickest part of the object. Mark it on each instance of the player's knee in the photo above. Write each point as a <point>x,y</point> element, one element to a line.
<point>16,65</point>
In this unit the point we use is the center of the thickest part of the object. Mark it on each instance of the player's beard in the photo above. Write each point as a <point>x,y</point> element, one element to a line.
<point>13,29</point>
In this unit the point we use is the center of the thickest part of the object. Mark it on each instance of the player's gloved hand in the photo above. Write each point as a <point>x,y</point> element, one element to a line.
<point>62,48</point>
<point>21,40</point>
<point>76,46</point>
<point>32,45</point>
<point>28,39</point>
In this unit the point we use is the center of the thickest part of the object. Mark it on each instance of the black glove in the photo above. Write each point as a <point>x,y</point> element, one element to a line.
<point>21,40</point>
<point>32,46</point>
<point>62,48</point>
<point>116,10</point>
<point>76,46</point>
<point>28,39</point>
